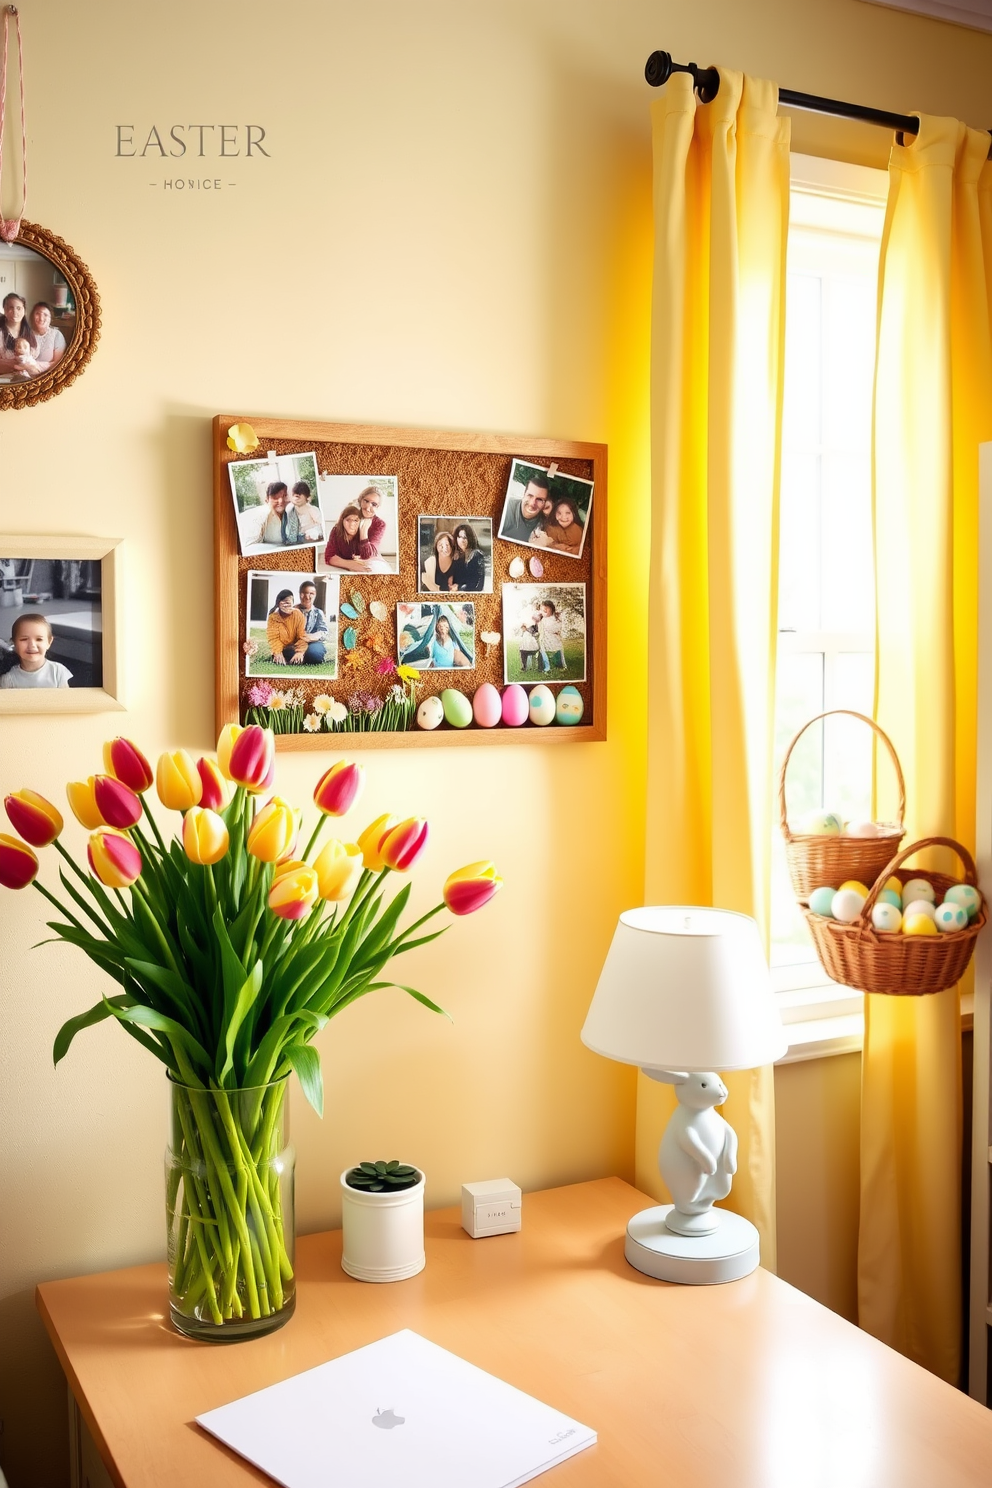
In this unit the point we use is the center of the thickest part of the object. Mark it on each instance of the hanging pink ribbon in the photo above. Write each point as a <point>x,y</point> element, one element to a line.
<point>11,226</point>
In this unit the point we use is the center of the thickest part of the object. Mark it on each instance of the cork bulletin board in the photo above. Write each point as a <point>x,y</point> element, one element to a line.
<point>438,474</point>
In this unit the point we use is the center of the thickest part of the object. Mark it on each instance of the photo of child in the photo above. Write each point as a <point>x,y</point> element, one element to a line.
<point>32,637</point>
<point>22,357</point>
<point>276,502</point>
<point>361,530</point>
<point>544,632</point>
<point>435,637</point>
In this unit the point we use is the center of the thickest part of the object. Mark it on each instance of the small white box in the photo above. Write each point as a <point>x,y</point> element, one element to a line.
<point>491,1208</point>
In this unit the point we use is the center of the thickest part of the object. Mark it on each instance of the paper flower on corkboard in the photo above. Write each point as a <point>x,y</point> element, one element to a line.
<point>242,439</point>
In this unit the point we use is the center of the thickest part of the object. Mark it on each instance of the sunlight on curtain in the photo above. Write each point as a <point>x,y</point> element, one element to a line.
<point>933,405</point>
<point>721,222</point>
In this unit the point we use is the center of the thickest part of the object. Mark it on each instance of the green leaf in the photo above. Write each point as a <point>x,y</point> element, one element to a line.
<point>243,1002</point>
<point>96,1014</point>
<point>306,1062</point>
<point>185,1046</point>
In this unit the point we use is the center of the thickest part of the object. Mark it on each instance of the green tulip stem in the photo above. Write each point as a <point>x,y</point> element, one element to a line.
<point>154,826</point>
<point>72,863</point>
<point>321,820</point>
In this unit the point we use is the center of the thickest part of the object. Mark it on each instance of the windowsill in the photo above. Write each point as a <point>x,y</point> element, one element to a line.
<point>822,1018</point>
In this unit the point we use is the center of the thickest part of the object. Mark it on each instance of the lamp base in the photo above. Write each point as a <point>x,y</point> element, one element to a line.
<point>727,1254</point>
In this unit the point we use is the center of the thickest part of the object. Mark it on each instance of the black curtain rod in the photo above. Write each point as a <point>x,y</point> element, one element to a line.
<point>706,81</point>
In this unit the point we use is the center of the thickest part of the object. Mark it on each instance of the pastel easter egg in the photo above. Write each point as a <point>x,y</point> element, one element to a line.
<point>820,824</point>
<point>536,567</point>
<point>516,705</point>
<point>886,918</point>
<point>949,917</point>
<point>918,888</point>
<point>889,896</point>
<point>541,705</point>
<point>857,886</point>
<point>895,884</point>
<point>457,708</point>
<point>847,905</point>
<point>821,901</point>
<point>919,924</point>
<point>863,829</point>
<point>919,907</point>
<point>430,713</point>
<point>350,638</point>
<point>487,705</point>
<point>969,899</point>
<point>570,706</point>
<point>516,569</point>
<point>378,610</point>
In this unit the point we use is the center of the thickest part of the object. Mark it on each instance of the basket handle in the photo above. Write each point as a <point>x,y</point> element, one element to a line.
<point>830,713</point>
<point>971,873</point>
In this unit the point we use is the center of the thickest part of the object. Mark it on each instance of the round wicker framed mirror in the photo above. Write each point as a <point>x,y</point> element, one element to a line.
<point>49,317</point>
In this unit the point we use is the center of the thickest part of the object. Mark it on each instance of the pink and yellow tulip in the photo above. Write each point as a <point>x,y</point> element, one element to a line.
<point>225,743</point>
<point>339,866</point>
<point>372,838</point>
<point>82,801</point>
<point>205,836</point>
<point>252,759</point>
<point>18,864</point>
<point>116,802</point>
<point>217,789</point>
<point>126,763</point>
<point>273,831</point>
<point>37,820</point>
<point>339,788</point>
<point>294,891</point>
<point>468,889</point>
<point>177,781</point>
<point>113,858</point>
<point>401,847</point>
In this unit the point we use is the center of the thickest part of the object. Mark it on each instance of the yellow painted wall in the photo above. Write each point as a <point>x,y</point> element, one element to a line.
<point>452,230</point>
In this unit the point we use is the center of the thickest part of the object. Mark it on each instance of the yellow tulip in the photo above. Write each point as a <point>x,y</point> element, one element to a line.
<point>293,891</point>
<point>82,802</point>
<point>177,781</point>
<point>372,839</point>
<point>225,743</point>
<point>205,837</point>
<point>272,833</point>
<point>339,867</point>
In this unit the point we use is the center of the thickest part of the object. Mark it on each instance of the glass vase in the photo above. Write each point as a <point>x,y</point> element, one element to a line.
<point>229,1206</point>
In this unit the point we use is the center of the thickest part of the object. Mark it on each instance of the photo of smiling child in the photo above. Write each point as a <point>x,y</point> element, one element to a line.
<point>544,632</point>
<point>31,637</point>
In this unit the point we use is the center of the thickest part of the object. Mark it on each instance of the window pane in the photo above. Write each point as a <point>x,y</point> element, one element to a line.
<point>798,698</point>
<point>801,414</point>
<point>799,542</point>
<point>847,578</point>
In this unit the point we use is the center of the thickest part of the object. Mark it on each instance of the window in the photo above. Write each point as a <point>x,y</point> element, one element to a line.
<point>826,586</point>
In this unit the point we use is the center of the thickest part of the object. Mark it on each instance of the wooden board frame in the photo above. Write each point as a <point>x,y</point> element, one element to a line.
<point>307,433</point>
<point>105,699</point>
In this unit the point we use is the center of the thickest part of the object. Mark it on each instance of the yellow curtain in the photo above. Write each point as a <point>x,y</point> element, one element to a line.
<point>721,222</point>
<point>933,405</point>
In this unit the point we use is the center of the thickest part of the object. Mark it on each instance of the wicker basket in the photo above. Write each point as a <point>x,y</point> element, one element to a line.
<point>817,861</point>
<point>857,955</point>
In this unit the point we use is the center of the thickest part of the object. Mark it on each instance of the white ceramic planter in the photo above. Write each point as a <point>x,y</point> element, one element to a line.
<point>383,1232</point>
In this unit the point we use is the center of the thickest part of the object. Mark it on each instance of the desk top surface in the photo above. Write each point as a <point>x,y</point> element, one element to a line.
<point>751,1384</point>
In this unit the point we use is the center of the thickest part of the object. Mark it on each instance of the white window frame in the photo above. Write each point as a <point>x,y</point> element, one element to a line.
<point>822,1017</point>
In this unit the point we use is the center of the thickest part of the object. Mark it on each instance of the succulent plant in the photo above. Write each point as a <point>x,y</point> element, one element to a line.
<point>383,1177</point>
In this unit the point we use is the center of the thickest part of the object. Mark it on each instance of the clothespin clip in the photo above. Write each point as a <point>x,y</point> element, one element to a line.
<point>552,470</point>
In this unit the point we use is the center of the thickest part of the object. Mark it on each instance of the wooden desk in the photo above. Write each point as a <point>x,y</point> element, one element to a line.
<point>751,1384</point>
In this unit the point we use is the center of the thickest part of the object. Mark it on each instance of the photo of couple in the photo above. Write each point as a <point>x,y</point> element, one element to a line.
<point>544,632</point>
<point>435,637</point>
<point>292,625</point>
<point>544,511</point>
<point>456,555</point>
<point>360,524</point>
<point>276,503</point>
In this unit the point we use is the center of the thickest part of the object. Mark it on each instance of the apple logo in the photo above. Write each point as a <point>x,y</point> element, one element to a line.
<point>387,1419</point>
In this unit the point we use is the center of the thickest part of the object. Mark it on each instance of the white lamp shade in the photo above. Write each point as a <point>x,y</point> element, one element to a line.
<point>685,989</point>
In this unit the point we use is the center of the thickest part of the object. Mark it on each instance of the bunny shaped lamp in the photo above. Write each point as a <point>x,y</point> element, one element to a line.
<point>685,992</point>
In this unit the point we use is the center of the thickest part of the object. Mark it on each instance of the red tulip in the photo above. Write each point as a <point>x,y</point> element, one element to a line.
<point>401,847</point>
<point>126,763</point>
<point>468,889</point>
<point>339,788</point>
<point>217,791</point>
<point>37,820</point>
<point>18,864</point>
<point>116,802</point>
<point>252,761</point>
